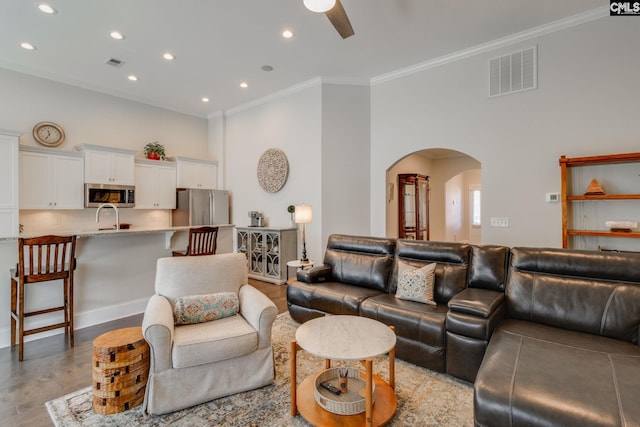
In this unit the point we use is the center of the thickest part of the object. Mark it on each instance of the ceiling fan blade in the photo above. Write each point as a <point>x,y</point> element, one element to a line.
<point>340,20</point>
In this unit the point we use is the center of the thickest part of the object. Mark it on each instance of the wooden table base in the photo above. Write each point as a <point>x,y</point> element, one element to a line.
<point>383,409</point>
<point>376,414</point>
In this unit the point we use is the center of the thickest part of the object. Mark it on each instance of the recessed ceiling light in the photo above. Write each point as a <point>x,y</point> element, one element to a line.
<point>46,8</point>
<point>116,35</point>
<point>244,85</point>
<point>168,56</point>
<point>132,78</point>
<point>27,46</point>
<point>287,34</point>
<point>205,99</point>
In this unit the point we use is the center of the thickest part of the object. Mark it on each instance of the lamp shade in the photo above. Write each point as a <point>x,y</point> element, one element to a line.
<point>303,214</point>
<point>319,5</point>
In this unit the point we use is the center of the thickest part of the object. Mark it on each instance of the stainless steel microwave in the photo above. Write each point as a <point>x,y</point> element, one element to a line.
<point>123,196</point>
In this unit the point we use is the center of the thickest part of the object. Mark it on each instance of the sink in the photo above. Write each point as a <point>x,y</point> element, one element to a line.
<point>122,227</point>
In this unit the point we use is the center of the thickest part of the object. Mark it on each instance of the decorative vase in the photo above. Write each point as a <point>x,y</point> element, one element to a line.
<point>153,156</point>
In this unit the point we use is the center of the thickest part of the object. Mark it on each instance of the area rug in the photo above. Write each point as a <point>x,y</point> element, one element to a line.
<point>425,398</point>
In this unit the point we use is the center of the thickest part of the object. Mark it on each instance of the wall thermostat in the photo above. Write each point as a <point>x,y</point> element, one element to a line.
<point>552,197</point>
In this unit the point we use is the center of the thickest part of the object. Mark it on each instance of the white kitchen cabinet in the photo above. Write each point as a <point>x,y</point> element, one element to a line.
<point>51,179</point>
<point>155,184</point>
<point>196,173</point>
<point>9,187</point>
<point>108,165</point>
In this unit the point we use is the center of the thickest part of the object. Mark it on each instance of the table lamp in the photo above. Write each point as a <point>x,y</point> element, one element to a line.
<point>303,215</point>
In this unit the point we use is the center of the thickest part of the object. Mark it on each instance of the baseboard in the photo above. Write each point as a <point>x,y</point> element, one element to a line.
<point>83,320</point>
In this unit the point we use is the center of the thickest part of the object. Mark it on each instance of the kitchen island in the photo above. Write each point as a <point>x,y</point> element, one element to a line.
<point>114,277</point>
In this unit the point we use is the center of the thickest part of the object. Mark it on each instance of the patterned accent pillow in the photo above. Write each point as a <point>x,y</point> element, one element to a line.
<point>205,308</point>
<point>416,284</point>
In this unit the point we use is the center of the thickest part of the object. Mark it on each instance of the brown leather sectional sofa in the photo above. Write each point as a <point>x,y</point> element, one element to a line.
<point>550,336</point>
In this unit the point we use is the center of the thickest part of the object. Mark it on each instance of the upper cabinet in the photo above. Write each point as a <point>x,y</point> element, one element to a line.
<point>155,184</point>
<point>108,165</point>
<point>196,173</point>
<point>51,179</point>
<point>9,200</point>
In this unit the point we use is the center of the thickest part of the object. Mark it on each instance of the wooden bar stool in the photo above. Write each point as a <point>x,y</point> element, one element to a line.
<point>202,241</point>
<point>42,259</point>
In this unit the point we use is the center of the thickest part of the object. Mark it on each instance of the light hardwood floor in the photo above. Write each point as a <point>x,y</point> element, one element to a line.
<point>51,369</point>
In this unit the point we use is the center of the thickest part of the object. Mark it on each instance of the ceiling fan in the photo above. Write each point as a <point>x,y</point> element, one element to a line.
<point>336,14</point>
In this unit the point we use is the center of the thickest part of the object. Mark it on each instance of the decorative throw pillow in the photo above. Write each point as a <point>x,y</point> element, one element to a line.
<point>416,284</point>
<point>205,308</point>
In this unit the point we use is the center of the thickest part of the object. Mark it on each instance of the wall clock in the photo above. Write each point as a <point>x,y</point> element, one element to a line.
<point>273,170</point>
<point>48,134</point>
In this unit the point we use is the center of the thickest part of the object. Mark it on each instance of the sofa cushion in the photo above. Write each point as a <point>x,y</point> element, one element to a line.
<point>420,328</point>
<point>585,291</point>
<point>452,265</point>
<point>329,297</point>
<point>488,268</point>
<point>205,308</point>
<point>209,342</point>
<point>360,261</point>
<point>416,284</point>
<point>534,374</point>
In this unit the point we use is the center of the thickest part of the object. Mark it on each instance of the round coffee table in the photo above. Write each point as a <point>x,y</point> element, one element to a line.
<point>345,338</point>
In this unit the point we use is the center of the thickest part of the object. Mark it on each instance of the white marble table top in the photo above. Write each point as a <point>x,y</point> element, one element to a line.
<point>345,337</point>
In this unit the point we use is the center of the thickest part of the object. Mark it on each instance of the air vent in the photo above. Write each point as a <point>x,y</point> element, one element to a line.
<point>513,73</point>
<point>114,62</point>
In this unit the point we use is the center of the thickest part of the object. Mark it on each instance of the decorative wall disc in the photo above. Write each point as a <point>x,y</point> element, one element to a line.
<point>273,170</point>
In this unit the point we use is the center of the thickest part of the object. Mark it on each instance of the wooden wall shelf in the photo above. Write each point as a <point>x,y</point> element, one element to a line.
<point>566,164</point>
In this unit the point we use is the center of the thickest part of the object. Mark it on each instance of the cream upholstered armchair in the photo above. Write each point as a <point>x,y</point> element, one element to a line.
<point>197,362</point>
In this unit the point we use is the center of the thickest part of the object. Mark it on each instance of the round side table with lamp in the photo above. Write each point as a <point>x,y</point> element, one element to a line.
<point>298,265</point>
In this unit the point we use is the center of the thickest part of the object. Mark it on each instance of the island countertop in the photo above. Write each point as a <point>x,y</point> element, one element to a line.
<point>96,232</point>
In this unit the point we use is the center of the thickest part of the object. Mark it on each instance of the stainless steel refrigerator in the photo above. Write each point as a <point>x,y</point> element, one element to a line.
<point>201,207</point>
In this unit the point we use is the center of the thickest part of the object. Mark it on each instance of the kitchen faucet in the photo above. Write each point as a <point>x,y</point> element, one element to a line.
<point>115,208</point>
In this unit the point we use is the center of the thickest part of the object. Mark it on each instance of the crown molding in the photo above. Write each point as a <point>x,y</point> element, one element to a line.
<point>275,96</point>
<point>561,24</point>
<point>215,114</point>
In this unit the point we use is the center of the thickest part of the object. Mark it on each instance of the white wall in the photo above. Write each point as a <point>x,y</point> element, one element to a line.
<point>324,131</point>
<point>93,118</point>
<point>292,123</point>
<point>453,209</point>
<point>585,104</point>
<point>345,160</point>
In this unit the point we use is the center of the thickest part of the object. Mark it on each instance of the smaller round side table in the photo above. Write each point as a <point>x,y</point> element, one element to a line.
<point>120,370</point>
<point>298,265</point>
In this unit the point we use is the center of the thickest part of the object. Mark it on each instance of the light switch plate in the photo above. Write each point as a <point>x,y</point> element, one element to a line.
<point>500,222</point>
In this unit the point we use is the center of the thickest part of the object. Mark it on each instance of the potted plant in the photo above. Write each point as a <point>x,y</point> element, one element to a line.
<point>154,151</point>
<point>292,210</point>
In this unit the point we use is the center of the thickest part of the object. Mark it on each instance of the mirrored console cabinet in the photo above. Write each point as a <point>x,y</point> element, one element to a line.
<point>268,250</point>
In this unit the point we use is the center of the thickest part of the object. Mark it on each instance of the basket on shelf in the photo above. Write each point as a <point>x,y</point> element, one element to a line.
<point>350,403</point>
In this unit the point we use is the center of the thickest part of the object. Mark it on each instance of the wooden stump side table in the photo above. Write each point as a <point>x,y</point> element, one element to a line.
<point>120,370</point>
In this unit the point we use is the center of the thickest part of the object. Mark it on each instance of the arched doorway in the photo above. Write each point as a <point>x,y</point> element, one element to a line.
<point>441,165</point>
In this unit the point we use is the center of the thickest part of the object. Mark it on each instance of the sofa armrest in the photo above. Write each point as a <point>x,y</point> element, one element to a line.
<point>157,329</point>
<point>477,302</point>
<point>320,273</point>
<point>259,311</point>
